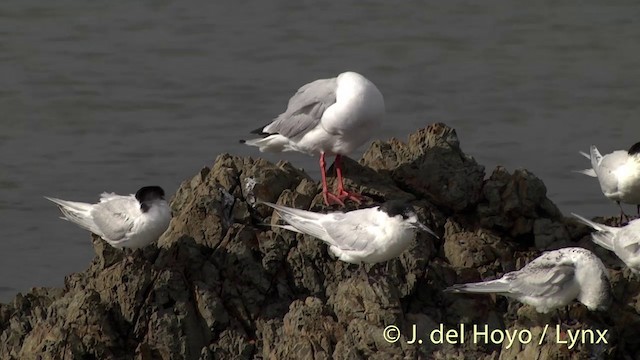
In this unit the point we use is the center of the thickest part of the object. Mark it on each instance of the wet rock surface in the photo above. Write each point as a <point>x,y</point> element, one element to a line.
<point>222,284</point>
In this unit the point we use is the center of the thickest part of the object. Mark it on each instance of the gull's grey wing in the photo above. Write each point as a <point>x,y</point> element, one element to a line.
<point>115,218</point>
<point>541,279</point>
<point>305,109</point>
<point>350,231</point>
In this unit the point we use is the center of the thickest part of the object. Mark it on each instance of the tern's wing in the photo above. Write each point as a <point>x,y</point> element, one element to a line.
<point>305,109</point>
<point>353,230</point>
<point>346,231</point>
<point>614,160</point>
<point>105,196</point>
<point>605,167</point>
<point>542,278</point>
<point>78,213</point>
<point>302,221</point>
<point>115,218</point>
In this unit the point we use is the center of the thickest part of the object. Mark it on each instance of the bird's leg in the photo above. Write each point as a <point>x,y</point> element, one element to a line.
<point>367,277</point>
<point>328,197</point>
<point>129,255</point>
<point>560,321</point>
<point>570,322</point>
<point>622,214</point>
<point>342,193</point>
<point>363,272</point>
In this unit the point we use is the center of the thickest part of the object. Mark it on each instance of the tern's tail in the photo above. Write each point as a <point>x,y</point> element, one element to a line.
<point>77,212</point>
<point>585,155</point>
<point>595,157</point>
<point>604,234</point>
<point>493,286</point>
<point>302,221</point>
<point>589,172</point>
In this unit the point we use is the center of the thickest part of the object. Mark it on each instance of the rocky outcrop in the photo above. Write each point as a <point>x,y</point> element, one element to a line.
<point>222,284</point>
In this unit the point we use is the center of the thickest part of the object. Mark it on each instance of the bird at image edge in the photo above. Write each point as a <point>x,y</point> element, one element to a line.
<point>551,281</point>
<point>623,241</point>
<point>618,174</point>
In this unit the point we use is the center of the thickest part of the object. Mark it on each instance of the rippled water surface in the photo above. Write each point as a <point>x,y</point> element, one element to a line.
<point>115,95</point>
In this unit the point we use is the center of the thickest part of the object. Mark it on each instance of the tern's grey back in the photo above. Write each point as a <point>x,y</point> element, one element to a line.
<point>115,217</point>
<point>605,171</point>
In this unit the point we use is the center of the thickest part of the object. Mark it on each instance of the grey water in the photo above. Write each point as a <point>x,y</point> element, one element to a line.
<point>115,95</point>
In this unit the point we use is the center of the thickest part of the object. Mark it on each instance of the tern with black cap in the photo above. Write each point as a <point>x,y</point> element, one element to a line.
<point>124,221</point>
<point>618,174</point>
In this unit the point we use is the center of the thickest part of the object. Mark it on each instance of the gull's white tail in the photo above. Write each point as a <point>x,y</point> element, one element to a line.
<point>604,234</point>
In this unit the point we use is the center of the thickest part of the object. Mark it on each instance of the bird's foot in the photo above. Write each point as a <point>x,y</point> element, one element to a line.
<point>355,197</point>
<point>621,221</point>
<point>330,198</point>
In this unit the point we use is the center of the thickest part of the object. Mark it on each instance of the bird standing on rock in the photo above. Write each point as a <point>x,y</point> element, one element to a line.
<point>618,174</point>
<point>551,281</point>
<point>132,221</point>
<point>327,117</point>
<point>370,235</point>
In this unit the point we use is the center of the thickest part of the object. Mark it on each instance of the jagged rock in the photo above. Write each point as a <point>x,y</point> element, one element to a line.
<point>430,165</point>
<point>221,284</point>
<point>514,202</point>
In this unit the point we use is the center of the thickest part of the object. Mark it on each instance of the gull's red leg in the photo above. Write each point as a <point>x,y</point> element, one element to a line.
<point>342,193</point>
<point>325,191</point>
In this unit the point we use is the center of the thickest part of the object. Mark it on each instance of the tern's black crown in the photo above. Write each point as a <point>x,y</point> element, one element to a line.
<point>398,207</point>
<point>149,193</point>
<point>634,149</point>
